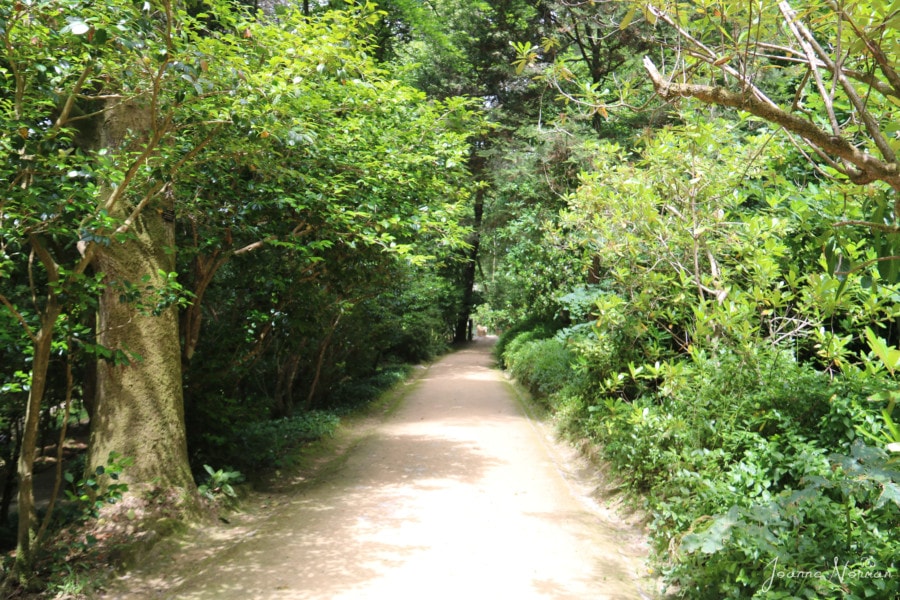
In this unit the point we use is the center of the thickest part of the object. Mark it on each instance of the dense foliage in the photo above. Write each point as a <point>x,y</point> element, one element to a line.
<point>714,299</point>
<point>727,363</point>
<point>256,187</point>
<point>256,218</point>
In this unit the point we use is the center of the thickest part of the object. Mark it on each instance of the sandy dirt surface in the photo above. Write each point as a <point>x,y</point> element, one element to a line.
<point>457,494</point>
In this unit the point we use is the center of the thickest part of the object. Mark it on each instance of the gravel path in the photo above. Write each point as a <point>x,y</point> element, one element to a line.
<point>456,495</point>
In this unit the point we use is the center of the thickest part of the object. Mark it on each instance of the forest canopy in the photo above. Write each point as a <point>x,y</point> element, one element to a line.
<point>224,225</point>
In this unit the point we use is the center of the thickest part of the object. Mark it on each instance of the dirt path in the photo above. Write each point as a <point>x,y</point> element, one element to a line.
<point>456,495</point>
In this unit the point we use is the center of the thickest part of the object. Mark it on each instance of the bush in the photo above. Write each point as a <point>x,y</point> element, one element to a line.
<point>748,460</point>
<point>832,537</point>
<point>543,366</point>
<point>528,330</point>
<point>353,393</point>
<point>264,444</point>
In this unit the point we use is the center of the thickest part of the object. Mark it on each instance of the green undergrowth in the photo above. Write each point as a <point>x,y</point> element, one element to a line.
<point>255,445</point>
<point>753,465</point>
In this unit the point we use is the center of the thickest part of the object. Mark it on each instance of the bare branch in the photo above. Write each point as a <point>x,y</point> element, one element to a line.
<point>867,264</point>
<point>800,34</point>
<point>63,117</point>
<point>254,246</point>
<point>882,227</point>
<point>868,167</point>
<point>871,125</point>
<point>886,66</point>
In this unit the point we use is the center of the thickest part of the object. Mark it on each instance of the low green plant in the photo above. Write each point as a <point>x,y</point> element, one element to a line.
<point>521,333</point>
<point>88,494</point>
<point>219,485</point>
<point>351,394</point>
<point>264,444</point>
<point>543,365</point>
<point>69,581</point>
<point>886,434</point>
<point>748,460</point>
<point>831,536</point>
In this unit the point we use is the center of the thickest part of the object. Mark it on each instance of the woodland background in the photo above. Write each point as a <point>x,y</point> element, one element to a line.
<point>224,225</point>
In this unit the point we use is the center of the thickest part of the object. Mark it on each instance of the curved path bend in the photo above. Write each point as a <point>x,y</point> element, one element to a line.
<point>456,495</point>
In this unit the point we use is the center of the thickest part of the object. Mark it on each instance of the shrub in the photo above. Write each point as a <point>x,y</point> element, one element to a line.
<point>749,461</point>
<point>527,330</point>
<point>543,366</point>
<point>831,538</point>
<point>353,393</point>
<point>264,444</point>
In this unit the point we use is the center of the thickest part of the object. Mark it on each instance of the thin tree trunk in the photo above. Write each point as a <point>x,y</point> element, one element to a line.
<point>463,331</point>
<point>320,360</point>
<point>40,364</point>
<point>284,387</point>
<point>205,268</point>
<point>60,449</point>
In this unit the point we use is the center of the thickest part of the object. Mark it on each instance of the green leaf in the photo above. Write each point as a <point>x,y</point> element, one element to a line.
<point>890,493</point>
<point>889,355</point>
<point>629,16</point>
<point>79,27</point>
<point>714,538</point>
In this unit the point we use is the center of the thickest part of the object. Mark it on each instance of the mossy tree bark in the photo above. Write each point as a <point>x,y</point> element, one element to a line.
<point>139,406</point>
<point>139,410</point>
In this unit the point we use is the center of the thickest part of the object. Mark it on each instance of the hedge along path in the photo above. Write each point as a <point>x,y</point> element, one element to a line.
<point>456,494</point>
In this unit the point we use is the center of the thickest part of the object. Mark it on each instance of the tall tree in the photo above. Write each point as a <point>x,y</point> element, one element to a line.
<point>114,110</point>
<point>592,38</point>
<point>467,50</point>
<point>94,94</point>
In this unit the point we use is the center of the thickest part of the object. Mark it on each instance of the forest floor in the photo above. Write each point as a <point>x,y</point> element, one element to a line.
<point>450,491</point>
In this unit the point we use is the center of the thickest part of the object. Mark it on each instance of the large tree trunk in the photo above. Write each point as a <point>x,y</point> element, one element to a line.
<point>139,406</point>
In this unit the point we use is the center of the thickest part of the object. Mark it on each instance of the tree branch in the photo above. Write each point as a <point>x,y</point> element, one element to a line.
<point>887,67</point>
<point>18,316</point>
<point>869,168</point>
<point>882,227</point>
<point>871,125</point>
<point>800,34</point>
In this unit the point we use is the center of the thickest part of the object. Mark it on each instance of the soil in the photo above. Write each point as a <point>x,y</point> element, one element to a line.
<point>453,492</point>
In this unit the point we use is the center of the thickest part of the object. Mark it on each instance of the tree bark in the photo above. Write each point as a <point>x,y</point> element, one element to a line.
<point>463,332</point>
<point>27,528</point>
<point>320,362</point>
<point>205,268</point>
<point>284,386</point>
<point>139,407</point>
